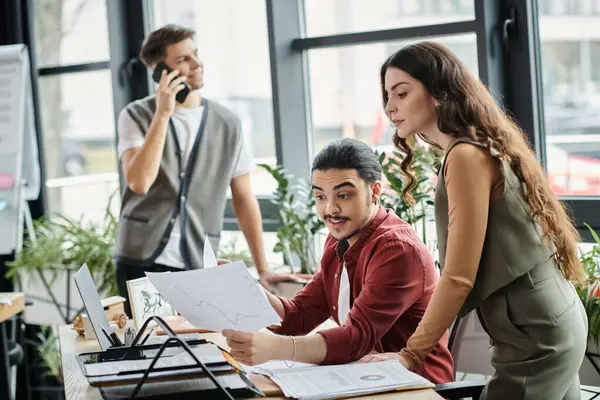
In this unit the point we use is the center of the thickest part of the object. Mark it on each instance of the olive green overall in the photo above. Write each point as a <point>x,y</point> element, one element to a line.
<point>536,322</point>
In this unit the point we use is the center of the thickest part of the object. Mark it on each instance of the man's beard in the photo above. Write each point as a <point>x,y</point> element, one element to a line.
<point>365,222</point>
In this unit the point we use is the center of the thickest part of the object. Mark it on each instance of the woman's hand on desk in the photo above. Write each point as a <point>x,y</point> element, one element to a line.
<point>377,357</point>
<point>269,278</point>
<point>253,348</point>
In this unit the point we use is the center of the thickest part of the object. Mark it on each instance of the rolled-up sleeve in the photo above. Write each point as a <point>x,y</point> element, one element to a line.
<point>394,282</point>
<point>306,310</point>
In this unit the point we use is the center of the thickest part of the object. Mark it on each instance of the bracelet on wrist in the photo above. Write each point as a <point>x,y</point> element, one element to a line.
<point>293,353</point>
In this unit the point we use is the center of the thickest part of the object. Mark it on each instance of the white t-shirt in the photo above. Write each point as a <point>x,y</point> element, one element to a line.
<point>187,122</point>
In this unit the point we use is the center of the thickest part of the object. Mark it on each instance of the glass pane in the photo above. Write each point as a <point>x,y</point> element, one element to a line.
<point>345,89</point>
<point>233,246</point>
<point>568,7</point>
<point>571,87</point>
<point>79,135</point>
<point>85,197</point>
<point>71,32</point>
<point>234,49</point>
<point>342,16</point>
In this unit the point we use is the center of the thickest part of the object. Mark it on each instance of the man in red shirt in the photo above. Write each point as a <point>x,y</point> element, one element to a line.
<point>375,281</point>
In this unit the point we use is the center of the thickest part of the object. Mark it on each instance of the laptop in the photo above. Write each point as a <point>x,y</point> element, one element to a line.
<point>97,316</point>
<point>93,306</point>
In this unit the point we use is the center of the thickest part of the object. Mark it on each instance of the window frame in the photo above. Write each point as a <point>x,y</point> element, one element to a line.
<point>524,100</point>
<point>511,69</point>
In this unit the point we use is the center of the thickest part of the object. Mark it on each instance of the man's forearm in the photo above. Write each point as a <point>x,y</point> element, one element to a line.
<point>142,169</point>
<point>247,212</point>
<point>310,349</point>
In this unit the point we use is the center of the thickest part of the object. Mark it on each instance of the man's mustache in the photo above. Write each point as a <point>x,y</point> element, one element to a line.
<point>336,217</point>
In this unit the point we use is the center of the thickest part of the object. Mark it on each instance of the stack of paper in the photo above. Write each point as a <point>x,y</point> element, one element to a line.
<point>270,368</point>
<point>335,381</point>
<point>208,353</point>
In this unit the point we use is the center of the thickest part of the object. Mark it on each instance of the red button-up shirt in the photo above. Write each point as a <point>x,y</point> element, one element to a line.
<point>392,278</point>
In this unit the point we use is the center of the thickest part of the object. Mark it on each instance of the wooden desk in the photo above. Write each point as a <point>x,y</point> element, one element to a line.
<point>77,387</point>
<point>17,305</point>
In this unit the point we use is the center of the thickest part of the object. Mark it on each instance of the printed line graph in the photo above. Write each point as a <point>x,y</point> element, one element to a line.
<point>224,297</point>
<point>200,303</point>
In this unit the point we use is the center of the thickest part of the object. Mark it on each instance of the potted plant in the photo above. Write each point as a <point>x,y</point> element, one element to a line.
<point>45,266</point>
<point>300,223</point>
<point>230,251</point>
<point>44,270</point>
<point>49,354</point>
<point>425,165</point>
<point>589,291</point>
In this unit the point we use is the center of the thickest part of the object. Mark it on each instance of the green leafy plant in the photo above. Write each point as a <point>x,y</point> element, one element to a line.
<point>230,251</point>
<point>298,217</point>
<point>589,291</point>
<point>49,353</point>
<point>64,243</point>
<point>425,165</point>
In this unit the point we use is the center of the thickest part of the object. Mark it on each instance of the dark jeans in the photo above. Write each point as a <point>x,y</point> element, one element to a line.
<point>127,272</point>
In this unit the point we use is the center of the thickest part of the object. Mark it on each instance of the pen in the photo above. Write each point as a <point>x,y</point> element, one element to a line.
<point>145,338</point>
<point>112,343</point>
<point>116,339</point>
<point>129,335</point>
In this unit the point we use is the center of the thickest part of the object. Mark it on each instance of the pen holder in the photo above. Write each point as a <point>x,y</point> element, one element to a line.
<point>173,339</point>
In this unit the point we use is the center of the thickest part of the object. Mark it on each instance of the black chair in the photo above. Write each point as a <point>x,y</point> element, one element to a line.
<point>15,353</point>
<point>459,389</point>
<point>11,354</point>
<point>594,359</point>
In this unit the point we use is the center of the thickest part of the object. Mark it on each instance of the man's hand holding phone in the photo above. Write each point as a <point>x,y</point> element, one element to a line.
<point>141,165</point>
<point>168,86</point>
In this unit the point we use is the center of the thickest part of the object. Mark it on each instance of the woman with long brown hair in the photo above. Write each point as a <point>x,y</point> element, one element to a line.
<point>507,247</point>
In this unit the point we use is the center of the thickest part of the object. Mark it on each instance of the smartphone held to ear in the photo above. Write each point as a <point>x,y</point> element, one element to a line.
<point>156,75</point>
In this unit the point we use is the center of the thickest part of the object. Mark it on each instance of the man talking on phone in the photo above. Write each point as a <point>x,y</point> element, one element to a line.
<point>180,153</point>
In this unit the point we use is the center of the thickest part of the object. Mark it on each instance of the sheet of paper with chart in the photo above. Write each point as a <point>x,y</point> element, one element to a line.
<point>226,297</point>
<point>348,380</point>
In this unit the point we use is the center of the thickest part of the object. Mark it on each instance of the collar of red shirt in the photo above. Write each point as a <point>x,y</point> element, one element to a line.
<point>350,254</point>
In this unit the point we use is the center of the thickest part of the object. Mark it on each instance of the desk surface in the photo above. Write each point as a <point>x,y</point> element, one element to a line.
<point>77,387</point>
<point>17,305</point>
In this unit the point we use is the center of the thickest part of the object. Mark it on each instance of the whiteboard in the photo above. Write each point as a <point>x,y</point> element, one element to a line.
<point>19,162</point>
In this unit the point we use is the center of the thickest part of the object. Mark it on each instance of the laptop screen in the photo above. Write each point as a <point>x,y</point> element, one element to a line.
<point>93,306</point>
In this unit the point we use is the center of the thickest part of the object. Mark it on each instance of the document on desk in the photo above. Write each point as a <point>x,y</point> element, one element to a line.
<point>270,368</point>
<point>348,380</point>
<point>5,301</point>
<point>225,297</point>
<point>208,353</point>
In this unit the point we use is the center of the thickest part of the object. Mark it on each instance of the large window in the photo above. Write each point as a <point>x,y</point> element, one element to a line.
<point>345,89</point>
<point>233,44</point>
<point>71,32</point>
<point>343,16</point>
<point>76,104</point>
<point>344,43</point>
<point>570,53</point>
<point>568,7</point>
